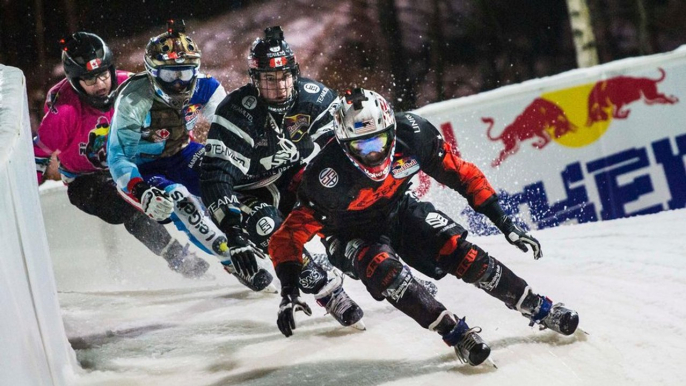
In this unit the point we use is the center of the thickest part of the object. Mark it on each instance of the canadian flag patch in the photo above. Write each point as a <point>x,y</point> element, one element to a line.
<point>93,64</point>
<point>277,62</point>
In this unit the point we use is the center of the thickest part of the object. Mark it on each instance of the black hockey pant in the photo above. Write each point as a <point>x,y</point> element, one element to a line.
<point>431,242</point>
<point>96,194</point>
<point>263,211</point>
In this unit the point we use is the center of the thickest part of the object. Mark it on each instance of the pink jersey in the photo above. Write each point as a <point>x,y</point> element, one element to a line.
<point>75,129</point>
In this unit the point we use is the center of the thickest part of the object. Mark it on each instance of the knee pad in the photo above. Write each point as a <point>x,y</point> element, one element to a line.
<point>261,220</point>
<point>312,277</point>
<point>468,262</point>
<point>342,254</point>
<point>379,269</point>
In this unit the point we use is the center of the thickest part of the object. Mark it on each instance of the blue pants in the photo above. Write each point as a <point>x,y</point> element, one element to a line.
<point>179,176</point>
<point>181,168</point>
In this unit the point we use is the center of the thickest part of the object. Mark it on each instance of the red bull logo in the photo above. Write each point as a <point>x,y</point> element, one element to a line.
<point>610,97</point>
<point>192,112</point>
<point>539,120</point>
<point>558,116</point>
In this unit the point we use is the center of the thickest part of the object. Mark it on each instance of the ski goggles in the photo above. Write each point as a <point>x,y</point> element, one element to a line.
<point>379,143</point>
<point>91,80</point>
<point>175,74</point>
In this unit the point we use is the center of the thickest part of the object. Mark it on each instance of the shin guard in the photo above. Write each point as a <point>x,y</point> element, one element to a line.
<point>189,216</point>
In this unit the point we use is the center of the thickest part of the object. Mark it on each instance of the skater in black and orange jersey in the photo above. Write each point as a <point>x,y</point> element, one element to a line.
<point>355,194</point>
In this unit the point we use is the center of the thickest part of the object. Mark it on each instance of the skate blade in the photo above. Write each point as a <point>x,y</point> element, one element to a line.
<point>204,277</point>
<point>491,362</point>
<point>270,289</point>
<point>359,326</point>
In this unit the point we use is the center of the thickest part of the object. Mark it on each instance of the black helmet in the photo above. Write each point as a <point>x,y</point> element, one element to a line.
<point>273,54</point>
<point>86,54</point>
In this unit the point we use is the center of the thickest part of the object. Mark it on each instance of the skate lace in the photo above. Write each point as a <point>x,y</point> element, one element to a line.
<point>467,343</point>
<point>339,303</point>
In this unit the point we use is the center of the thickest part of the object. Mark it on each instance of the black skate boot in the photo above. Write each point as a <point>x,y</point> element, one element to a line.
<point>337,303</point>
<point>187,263</point>
<point>541,310</point>
<point>468,345</point>
<point>260,281</point>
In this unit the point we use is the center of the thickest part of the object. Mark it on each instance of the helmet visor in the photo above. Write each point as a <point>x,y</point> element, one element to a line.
<point>372,150</point>
<point>173,74</point>
<point>176,79</point>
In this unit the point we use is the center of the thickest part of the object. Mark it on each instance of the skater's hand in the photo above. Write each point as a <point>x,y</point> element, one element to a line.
<point>156,203</point>
<point>241,252</point>
<point>290,303</point>
<point>518,237</point>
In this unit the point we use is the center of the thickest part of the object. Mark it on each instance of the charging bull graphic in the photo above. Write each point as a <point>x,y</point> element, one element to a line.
<point>538,120</point>
<point>616,93</point>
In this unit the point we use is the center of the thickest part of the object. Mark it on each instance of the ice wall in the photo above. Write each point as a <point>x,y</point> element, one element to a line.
<point>33,346</point>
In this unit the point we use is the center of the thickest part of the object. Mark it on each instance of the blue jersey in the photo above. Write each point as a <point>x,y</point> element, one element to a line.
<point>144,128</point>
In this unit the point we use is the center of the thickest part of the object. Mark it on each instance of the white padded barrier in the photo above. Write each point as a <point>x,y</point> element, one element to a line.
<point>33,346</point>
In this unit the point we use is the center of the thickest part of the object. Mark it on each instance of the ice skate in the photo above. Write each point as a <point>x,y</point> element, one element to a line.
<point>188,264</point>
<point>337,303</point>
<point>261,281</point>
<point>541,310</point>
<point>468,345</point>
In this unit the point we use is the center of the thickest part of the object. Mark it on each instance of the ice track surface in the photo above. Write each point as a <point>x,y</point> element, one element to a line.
<point>134,322</point>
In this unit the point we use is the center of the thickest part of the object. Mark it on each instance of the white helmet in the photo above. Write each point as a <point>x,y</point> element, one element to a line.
<point>365,127</point>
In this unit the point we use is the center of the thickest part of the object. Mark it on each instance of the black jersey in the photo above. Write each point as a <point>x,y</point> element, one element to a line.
<point>338,199</point>
<point>249,147</point>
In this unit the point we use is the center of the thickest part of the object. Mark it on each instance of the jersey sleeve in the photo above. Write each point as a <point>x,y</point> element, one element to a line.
<point>321,129</point>
<point>228,153</point>
<point>443,164</point>
<point>215,99</point>
<point>288,242</point>
<point>122,145</point>
<point>53,135</point>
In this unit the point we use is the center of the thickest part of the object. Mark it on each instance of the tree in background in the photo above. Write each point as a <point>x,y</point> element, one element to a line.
<point>414,52</point>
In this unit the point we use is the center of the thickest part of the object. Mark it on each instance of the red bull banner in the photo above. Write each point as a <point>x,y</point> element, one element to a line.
<point>586,145</point>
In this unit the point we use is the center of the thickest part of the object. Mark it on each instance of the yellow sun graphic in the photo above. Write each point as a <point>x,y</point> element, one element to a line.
<point>574,102</point>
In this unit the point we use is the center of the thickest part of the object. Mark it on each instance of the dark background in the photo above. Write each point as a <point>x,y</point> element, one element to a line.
<point>414,53</point>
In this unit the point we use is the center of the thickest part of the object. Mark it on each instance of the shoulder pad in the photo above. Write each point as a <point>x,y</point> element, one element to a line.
<point>311,91</point>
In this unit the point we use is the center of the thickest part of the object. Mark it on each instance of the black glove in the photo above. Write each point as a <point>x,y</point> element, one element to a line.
<point>290,303</point>
<point>241,252</point>
<point>513,234</point>
<point>518,237</point>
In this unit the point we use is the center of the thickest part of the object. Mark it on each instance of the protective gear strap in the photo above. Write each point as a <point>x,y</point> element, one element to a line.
<point>438,320</point>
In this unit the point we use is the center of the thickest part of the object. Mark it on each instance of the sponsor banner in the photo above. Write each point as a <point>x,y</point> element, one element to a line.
<point>587,145</point>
